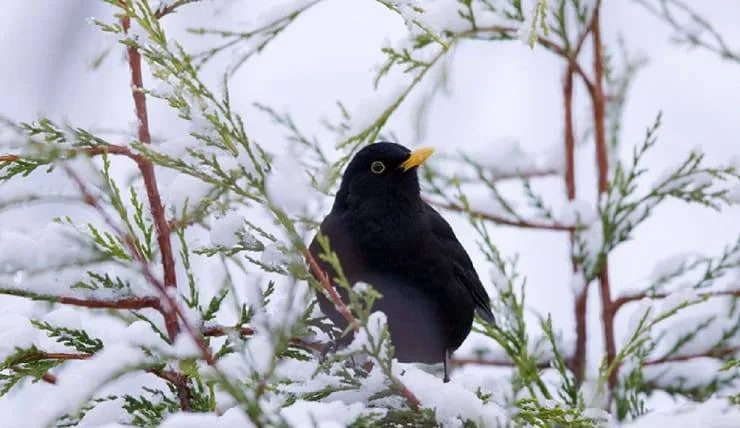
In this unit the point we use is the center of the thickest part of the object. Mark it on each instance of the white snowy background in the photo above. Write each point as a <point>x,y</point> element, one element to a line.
<point>500,91</point>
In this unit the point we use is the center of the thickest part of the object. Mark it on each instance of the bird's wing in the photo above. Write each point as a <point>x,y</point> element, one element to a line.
<point>464,268</point>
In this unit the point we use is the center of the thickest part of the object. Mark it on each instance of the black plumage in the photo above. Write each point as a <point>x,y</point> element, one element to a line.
<point>385,234</point>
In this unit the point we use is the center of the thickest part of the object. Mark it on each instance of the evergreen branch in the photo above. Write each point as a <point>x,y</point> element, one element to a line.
<point>89,151</point>
<point>146,168</point>
<point>711,353</point>
<point>715,43</point>
<point>325,281</point>
<point>128,303</point>
<point>622,300</point>
<point>524,224</point>
<point>166,9</point>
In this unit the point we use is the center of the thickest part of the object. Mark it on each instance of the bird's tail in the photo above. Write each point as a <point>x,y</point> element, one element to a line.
<point>487,315</point>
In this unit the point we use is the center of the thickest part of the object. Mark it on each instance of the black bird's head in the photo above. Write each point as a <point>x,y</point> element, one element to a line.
<point>382,173</point>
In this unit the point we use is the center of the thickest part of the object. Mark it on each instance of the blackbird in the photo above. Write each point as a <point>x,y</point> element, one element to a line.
<point>385,235</point>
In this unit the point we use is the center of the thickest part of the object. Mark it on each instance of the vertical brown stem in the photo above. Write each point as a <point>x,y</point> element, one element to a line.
<point>579,357</point>
<point>150,182</point>
<point>603,172</point>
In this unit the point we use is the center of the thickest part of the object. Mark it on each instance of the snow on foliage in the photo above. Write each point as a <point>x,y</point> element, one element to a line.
<point>188,301</point>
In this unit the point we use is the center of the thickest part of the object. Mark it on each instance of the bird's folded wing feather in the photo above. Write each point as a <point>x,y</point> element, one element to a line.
<point>463,265</point>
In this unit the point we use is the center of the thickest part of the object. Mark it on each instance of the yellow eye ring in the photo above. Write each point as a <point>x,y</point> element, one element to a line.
<point>377,167</point>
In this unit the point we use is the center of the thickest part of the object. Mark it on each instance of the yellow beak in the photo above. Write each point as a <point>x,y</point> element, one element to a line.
<point>417,158</point>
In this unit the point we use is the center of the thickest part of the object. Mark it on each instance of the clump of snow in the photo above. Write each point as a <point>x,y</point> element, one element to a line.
<point>272,256</point>
<point>578,283</point>
<point>233,417</point>
<point>309,414</point>
<point>185,346</point>
<point>640,318</point>
<point>672,264</point>
<point>76,382</point>
<point>593,239</point>
<point>140,333</point>
<point>16,331</point>
<point>229,231</point>
<point>185,188</point>
<point>175,148</point>
<point>259,352</point>
<point>734,194</point>
<point>687,375</point>
<point>289,186</point>
<point>678,298</point>
<point>364,337</point>
<point>577,211</point>
<point>368,111</point>
<point>451,401</point>
<point>713,413</point>
<point>506,157</point>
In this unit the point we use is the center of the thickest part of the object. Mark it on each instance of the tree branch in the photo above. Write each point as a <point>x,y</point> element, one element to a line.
<point>712,353</point>
<point>130,303</point>
<point>90,151</point>
<point>598,102</point>
<point>491,362</point>
<point>339,304</point>
<point>150,181</point>
<point>166,9</point>
<point>581,300</point>
<point>504,221</point>
<point>621,301</point>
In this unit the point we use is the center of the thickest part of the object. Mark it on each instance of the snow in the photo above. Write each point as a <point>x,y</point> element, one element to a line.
<point>451,400</point>
<point>309,414</point>
<point>734,194</point>
<point>364,337</point>
<point>234,417</point>
<point>689,374</point>
<point>226,230</point>
<point>364,114</point>
<point>678,298</point>
<point>140,333</point>
<point>578,283</point>
<point>645,313</point>
<point>577,211</point>
<point>186,347</point>
<point>714,413</point>
<point>259,352</point>
<point>272,256</point>
<point>185,188</point>
<point>672,264</point>
<point>76,383</point>
<point>505,157</point>
<point>16,331</point>
<point>289,186</point>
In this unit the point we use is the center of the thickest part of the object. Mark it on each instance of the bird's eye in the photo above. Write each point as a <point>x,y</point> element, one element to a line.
<point>377,167</point>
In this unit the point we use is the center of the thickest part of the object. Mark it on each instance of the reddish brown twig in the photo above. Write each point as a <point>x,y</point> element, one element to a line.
<point>410,397</point>
<point>166,9</point>
<point>126,303</point>
<point>622,300</point>
<point>323,278</point>
<point>525,224</point>
<point>218,330</point>
<point>599,108</point>
<point>181,384</point>
<point>491,362</point>
<point>150,180</point>
<point>711,353</point>
<point>89,151</point>
<point>524,175</point>
<point>179,380</point>
<point>581,299</point>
